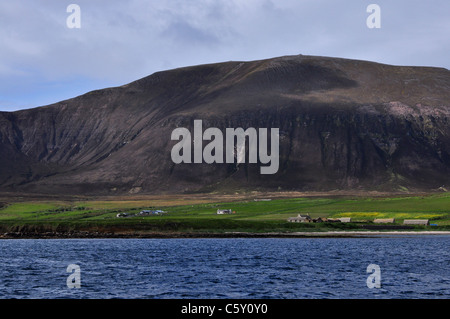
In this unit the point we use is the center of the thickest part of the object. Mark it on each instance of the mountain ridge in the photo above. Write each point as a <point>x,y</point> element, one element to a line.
<point>345,124</point>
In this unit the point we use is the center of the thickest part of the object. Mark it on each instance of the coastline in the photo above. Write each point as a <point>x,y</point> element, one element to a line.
<point>168,235</point>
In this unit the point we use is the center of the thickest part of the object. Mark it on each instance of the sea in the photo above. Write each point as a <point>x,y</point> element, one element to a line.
<point>384,267</point>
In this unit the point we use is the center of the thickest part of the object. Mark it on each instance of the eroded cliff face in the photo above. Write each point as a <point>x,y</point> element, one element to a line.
<point>343,124</point>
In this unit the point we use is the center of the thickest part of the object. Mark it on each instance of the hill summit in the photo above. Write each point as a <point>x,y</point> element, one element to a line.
<point>343,124</point>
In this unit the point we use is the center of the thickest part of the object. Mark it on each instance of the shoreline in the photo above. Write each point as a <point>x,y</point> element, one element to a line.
<point>174,235</point>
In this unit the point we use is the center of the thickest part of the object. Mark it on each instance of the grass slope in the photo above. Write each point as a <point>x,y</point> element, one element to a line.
<point>200,215</point>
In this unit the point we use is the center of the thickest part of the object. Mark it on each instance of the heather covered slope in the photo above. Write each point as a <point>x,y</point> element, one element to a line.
<point>344,124</point>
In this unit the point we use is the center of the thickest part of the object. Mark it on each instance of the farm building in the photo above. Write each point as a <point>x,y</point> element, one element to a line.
<point>416,222</point>
<point>384,220</point>
<point>300,219</point>
<point>142,213</point>
<point>340,219</point>
<point>150,212</point>
<point>224,211</point>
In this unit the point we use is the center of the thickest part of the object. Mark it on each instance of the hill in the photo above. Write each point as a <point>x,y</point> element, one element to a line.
<point>344,124</point>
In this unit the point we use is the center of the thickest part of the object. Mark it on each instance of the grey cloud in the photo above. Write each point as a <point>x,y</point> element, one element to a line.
<point>185,33</point>
<point>121,41</point>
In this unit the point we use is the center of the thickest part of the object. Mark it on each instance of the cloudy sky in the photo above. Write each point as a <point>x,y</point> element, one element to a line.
<point>43,61</point>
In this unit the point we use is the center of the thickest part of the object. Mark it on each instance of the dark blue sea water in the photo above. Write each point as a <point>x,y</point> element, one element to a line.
<point>410,267</point>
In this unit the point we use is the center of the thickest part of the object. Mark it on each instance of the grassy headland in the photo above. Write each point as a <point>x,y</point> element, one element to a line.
<point>197,215</point>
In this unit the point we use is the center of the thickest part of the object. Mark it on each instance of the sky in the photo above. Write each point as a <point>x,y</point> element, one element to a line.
<point>44,59</point>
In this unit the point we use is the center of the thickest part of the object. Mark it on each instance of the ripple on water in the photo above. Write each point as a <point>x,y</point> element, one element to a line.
<point>413,267</point>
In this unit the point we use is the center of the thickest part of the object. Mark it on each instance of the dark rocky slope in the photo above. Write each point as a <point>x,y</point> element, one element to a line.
<point>344,124</point>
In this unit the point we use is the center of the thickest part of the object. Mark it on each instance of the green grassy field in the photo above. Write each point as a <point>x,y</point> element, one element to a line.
<point>200,216</point>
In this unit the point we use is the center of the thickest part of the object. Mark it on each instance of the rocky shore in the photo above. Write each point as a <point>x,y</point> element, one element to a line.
<point>93,235</point>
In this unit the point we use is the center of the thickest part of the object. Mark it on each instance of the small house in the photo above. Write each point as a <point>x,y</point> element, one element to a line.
<point>300,219</point>
<point>297,220</point>
<point>224,211</point>
<point>384,220</point>
<point>338,220</point>
<point>416,222</point>
<point>150,212</point>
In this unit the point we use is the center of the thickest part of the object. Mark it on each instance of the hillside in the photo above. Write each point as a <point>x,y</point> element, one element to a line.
<point>344,124</point>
